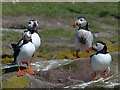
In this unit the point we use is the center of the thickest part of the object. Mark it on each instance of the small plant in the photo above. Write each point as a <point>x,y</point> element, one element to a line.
<point>7,60</point>
<point>65,55</point>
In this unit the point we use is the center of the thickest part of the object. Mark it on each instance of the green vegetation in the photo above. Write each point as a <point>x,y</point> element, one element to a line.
<point>10,36</point>
<point>58,33</point>
<point>7,60</point>
<point>16,82</point>
<point>92,11</point>
<point>60,9</point>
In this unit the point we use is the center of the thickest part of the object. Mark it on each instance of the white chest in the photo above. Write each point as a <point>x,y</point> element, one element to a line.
<point>36,40</point>
<point>26,52</point>
<point>100,61</point>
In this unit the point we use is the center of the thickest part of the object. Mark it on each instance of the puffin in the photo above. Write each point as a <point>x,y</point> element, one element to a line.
<point>100,60</point>
<point>83,36</point>
<point>32,27</point>
<point>24,53</point>
<point>36,40</point>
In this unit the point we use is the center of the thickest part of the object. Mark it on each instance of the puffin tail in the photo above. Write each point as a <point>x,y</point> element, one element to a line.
<point>14,46</point>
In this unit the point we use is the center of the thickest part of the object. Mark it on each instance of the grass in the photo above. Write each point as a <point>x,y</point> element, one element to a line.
<point>58,9</point>
<point>63,10</point>
<point>9,36</point>
<point>58,33</point>
<point>16,82</point>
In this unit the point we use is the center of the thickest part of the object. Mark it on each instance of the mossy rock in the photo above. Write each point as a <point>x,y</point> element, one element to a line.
<point>113,47</point>
<point>45,56</point>
<point>84,54</point>
<point>16,82</point>
<point>65,55</point>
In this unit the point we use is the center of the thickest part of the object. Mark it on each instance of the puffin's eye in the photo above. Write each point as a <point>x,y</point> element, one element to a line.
<point>81,20</point>
<point>29,23</point>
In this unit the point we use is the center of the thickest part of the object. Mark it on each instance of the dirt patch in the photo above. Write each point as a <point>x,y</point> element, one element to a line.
<point>20,22</point>
<point>74,73</point>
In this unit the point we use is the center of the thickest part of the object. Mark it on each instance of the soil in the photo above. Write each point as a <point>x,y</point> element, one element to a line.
<point>78,73</point>
<point>44,23</point>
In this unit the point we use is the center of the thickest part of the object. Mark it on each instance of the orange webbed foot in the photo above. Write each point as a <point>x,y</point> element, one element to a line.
<point>105,75</point>
<point>20,73</point>
<point>30,71</point>
<point>95,78</point>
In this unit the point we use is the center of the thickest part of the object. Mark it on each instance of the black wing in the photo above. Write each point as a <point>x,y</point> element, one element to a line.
<point>15,46</point>
<point>16,49</point>
<point>16,54</point>
<point>82,40</point>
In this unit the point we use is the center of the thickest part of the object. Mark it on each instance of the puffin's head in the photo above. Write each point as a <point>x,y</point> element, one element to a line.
<point>100,47</point>
<point>32,24</point>
<point>81,22</point>
<point>26,35</point>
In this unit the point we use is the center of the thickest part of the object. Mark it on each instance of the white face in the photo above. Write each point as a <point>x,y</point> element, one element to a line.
<point>32,23</point>
<point>98,46</point>
<point>27,35</point>
<point>81,22</point>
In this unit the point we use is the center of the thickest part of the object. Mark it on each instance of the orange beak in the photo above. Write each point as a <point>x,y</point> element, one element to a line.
<point>74,24</point>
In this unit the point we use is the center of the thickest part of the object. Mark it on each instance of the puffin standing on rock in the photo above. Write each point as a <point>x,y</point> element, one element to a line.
<point>101,60</point>
<point>24,53</point>
<point>83,37</point>
<point>36,40</point>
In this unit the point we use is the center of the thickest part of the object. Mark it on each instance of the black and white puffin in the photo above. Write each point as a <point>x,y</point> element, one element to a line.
<point>32,27</point>
<point>36,40</point>
<point>83,37</point>
<point>101,60</point>
<point>24,53</point>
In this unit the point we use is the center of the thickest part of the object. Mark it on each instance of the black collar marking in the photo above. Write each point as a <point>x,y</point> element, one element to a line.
<point>85,27</point>
<point>103,51</point>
